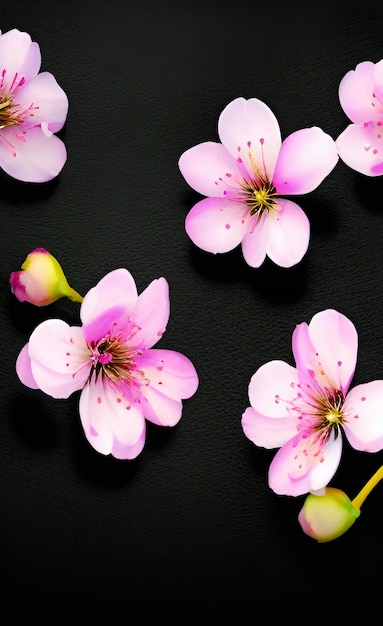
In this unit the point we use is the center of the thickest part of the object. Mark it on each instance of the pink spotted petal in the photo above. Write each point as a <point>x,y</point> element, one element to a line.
<point>363,409</point>
<point>265,431</point>
<point>254,243</point>
<point>108,417</point>
<point>295,469</point>
<point>361,148</point>
<point>305,159</point>
<point>356,93</point>
<point>60,362</point>
<point>209,169</point>
<point>272,389</point>
<point>33,156</point>
<point>172,373</point>
<point>52,101</point>
<point>115,289</point>
<point>328,346</point>
<point>288,234</point>
<point>23,368</point>
<point>251,133</point>
<point>160,409</point>
<point>20,58</point>
<point>151,314</point>
<point>216,225</point>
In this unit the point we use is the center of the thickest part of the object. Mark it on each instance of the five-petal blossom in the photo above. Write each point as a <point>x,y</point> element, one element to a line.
<point>244,178</point>
<point>303,410</point>
<point>360,92</point>
<point>32,108</point>
<point>124,381</point>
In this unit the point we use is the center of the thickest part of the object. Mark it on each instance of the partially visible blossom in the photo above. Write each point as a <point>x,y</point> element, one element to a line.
<point>327,516</point>
<point>304,410</point>
<point>33,107</point>
<point>360,145</point>
<point>41,280</point>
<point>110,358</point>
<point>245,179</point>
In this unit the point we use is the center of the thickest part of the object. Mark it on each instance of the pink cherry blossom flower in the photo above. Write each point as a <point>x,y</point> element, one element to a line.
<point>244,178</point>
<point>304,410</point>
<point>123,380</point>
<point>360,145</point>
<point>32,108</point>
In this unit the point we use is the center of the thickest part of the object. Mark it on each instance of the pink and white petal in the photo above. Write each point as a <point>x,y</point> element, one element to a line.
<point>107,415</point>
<point>356,93</point>
<point>115,289</point>
<point>50,100</point>
<point>254,242</point>
<point>172,373</point>
<point>60,361</point>
<point>298,469</point>
<point>305,159</point>
<point>267,432</point>
<point>328,346</point>
<point>32,156</point>
<point>363,409</point>
<point>158,408</point>
<point>272,389</point>
<point>251,133</point>
<point>378,85</point>
<point>288,234</point>
<point>209,169</point>
<point>360,146</point>
<point>216,225</point>
<point>20,58</point>
<point>151,314</point>
<point>124,451</point>
<point>23,368</point>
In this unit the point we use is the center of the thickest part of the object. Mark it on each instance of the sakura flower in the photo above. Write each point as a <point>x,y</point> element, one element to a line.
<point>123,379</point>
<point>305,410</point>
<point>327,516</point>
<point>41,280</point>
<point>244,179</point>
<point>32,108</point>
<point>360,92</point>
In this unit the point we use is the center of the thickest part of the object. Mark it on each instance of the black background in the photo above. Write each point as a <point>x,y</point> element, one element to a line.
<point>189,529</point>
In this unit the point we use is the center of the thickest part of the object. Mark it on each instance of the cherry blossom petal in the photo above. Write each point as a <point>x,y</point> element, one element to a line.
<point>60,361</point>
<point>267,432</point>
<point>23,368</point>
<point>254,243</point>
<point>52,102</point>
<point>378,87</point>
<point>159,408</point>
<point>117,289</point>
<point>295,470</point>
<point>31,156</point>
<point>272,388</point>
<point>361,148</point>
<point>288,234</point>
<point>106,415</point>
<point>20,58</point>
<point>363,409</point>
<point>209,169</point>
<point>306,157</point>
<point>217,225</point>
<point>328,347</point>
<point>172,373</point>
<point>250,131</point>
<point>151,314</point>
<point>356,93</point>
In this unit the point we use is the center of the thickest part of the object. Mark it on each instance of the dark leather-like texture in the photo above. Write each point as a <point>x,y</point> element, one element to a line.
<point>189,529</point>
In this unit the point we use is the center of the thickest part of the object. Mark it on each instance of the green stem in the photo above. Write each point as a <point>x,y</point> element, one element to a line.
<point>73,295</point>
<point>368,487</point>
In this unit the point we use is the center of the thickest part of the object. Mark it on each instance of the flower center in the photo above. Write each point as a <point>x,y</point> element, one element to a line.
<point>6,116</point>
<point>330,411</point>
<point>113,358</point>
<point>260,197</point>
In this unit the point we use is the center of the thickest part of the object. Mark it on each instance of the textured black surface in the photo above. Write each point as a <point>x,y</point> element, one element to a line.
<point>190,528</point>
